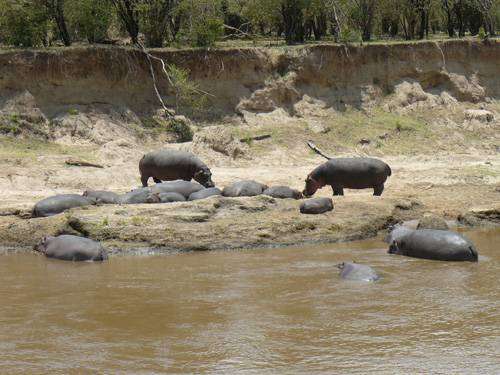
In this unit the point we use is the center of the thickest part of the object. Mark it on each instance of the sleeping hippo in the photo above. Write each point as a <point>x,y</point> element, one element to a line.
<point>185,188</point>
<point>316,206</point>
<point>246,188</point>
<point>67,247</point>
<point>205,193</point>
<point>432,244</point>
<point>60,203</point>
<point>351,173</point>
<point>357,272</point>
<point>139,196</point>
<point>282,192</point>
<point>101,196</point>
<point>171,197</point>
<point>167,165</point>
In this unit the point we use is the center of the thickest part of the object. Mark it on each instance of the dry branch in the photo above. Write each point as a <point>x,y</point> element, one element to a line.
<point>82,163</point>
<point>313,147</point>
<point>256,138</point>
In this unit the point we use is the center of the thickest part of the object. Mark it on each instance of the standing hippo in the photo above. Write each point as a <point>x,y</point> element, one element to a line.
<point>67,247</point>
<point>357,272</point>
<point>101,196</point>
<point>139,196</point>
<point>246,188</point>
<point>185,188</point>
<point>433,244</point>
<point>60,203</point>
<point>167,165</point>
<point>282,192</point>
<point>350,173</point>
<point>205,193</point>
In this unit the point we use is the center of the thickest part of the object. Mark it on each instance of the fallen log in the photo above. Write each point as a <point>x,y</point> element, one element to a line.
<point>256,138</point>
<point>313,147</point>
<point>82,163</point>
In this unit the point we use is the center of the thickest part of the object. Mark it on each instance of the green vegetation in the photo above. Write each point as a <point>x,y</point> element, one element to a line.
<point>202,23</point>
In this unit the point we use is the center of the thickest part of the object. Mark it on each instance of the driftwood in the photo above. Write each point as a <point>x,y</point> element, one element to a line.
<point>256,138</point>
<point>82,163</point>
<point>313,147</point>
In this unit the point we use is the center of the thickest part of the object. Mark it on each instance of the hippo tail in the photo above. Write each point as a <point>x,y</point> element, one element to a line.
<point>474,253</point>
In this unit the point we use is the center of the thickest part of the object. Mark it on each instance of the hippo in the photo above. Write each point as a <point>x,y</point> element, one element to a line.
<point>351,173</point>
<point>74,248</point>
<point>101,196</point>
<point>357,272</point>
<point>433,244</point>
<point>185,188</point>
<point>205,193</point>
<point>397,231</point>
<point>171,197</point>
<point>316,206</point>
<point>60,203</point>
<point>283,192</point>
<point>167,165</point>
<point>246,188</point>
<point>138,196</point>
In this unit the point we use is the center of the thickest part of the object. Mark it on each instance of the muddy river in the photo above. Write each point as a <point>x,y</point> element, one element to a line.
<point>253,312</point>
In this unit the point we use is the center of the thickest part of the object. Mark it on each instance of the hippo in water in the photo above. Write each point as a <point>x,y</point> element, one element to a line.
<point>246,188</point>
<point>185,188</point>
<point>350,173</point>
<point>60,203</point>
<point>167,165</point>
<point>432,244</point>
<point>101,196</point>
<point>316,206</point>
<point>357,272</point>
<point>67,247</point>
<point>205,193</point>
<point>139,196</point>
<point>282,192</point>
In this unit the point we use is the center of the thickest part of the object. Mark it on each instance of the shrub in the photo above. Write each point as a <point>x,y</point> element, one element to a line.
<point>206,32</point>
<point>90,19</point>
<point>348,35</point>
<point>181,129</point>
<point>482,34</point>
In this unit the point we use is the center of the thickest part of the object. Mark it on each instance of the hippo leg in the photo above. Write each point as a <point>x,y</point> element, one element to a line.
<point>156,180</point>
<point>377,190</point>
<point>337,190</point>
<point>144,180</point>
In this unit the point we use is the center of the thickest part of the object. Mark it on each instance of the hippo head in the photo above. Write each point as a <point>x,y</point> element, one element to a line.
<point>204,177</point>
<point>311,186</point>
<point>394,248</point>
<point>340,266</point>
<point>42,245</point>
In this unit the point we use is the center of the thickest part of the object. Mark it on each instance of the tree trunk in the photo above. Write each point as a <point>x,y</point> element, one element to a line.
<point>293,21</point>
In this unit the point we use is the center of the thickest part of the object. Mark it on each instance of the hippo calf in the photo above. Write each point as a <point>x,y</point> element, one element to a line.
<point>67,247</point>
<point>171,197</point>
<point>205,193</point>
<point>185,188</point>
<point>283,192</point>
<point>246,188</point>
<point>433,244</point>
<point>139,196</point>
<point>167,165</point>
<point>357,272</point>
<point>101,196</point>
<point>350,173</point>
<point>60,203</point>
<point>316,206</point>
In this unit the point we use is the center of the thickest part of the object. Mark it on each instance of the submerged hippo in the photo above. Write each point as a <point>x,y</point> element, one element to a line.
<point>138,196</point>
<point>101,196</point>
<point>185,188</point>
<point>205,193</point>
<point>316,206</point>
<point>167,165</point>
<point>433,244</point>
<point>171,197</point>
<point>283,192</point>
<point>60,203</point>
<point>357,272</point>
<point>67,247</point>
<point>247,188</point>
<point>350,173</point>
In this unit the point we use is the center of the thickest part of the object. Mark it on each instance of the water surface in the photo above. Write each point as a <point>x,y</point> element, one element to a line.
<point>252,312</point>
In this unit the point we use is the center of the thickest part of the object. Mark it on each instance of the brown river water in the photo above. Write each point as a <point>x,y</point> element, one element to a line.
<point>277,311</point>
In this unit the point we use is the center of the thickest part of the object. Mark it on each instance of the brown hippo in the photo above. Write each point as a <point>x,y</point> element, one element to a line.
<point>167,165</point>
<point>351,173</point>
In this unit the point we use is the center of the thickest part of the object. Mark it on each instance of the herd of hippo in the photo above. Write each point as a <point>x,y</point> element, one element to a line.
<point>173,172</point>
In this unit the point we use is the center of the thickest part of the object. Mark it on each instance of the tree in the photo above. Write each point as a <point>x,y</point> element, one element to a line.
<point>56,11</point>
<point>363,14</point>
<point>293,20</point>
<point>89,19</point>
<point>128,13</point>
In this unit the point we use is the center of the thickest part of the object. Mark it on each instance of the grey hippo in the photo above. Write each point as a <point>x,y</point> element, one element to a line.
<point>205,193</point>
<point>73,248</point>
<point>185,188</point>
<point>139,196</point>
<point>101,196</point>
<point>60,203</point>
<point>283,192</point>
<point>167,165</point>
<point>171,197</point>
<point>357,272</point>
<point>246,188</point>
<point>432,244</point>
<point>350,173</point>
<point>316,206</point>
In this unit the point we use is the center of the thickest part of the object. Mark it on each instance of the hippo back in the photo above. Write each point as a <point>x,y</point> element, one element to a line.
<point>357,272</point>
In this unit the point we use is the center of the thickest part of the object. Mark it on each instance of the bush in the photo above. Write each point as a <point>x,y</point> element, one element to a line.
<point>89,19</point>
<point>181,129</point>
<point>348,35</point>
<point>482,34</point>
<point>206,32</point>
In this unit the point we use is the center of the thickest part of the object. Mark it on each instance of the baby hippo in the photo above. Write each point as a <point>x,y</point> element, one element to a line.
<point>357,272</point>
<point>283,192</point>
<point>73,248</point>
<point>316,206</point>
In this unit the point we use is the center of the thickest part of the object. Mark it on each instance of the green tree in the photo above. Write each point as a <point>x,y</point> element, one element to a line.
<point>89,19</point>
